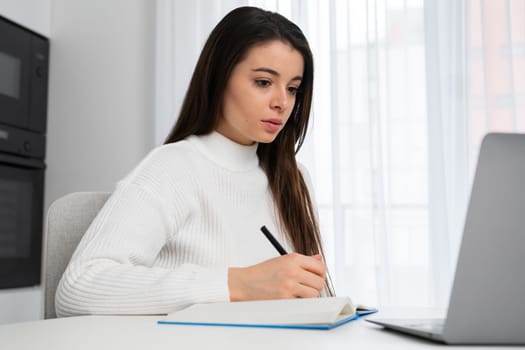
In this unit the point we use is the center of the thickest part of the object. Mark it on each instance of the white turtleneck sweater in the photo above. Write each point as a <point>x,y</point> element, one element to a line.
<point>168,234</point>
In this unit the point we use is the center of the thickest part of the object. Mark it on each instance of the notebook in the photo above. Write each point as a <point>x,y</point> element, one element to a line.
<point>307,313</point>
<point>486,302</point>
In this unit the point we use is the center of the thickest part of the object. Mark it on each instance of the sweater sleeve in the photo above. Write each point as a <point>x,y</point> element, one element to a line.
<point>112,270</point>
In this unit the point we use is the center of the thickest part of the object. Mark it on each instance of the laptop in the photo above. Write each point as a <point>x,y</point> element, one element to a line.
<point>487,302</point>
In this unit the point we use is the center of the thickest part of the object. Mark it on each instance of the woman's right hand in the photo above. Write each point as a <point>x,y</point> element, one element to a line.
<point>289,276</point>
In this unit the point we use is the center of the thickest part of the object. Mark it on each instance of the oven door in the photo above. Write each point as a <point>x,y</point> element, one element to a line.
<point>15,55</point>
<point>21,216</point>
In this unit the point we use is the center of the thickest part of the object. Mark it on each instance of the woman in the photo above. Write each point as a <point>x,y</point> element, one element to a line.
<point>183,227</point>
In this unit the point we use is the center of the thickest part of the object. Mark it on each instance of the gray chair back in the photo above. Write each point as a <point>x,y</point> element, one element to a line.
<point>68,218</point>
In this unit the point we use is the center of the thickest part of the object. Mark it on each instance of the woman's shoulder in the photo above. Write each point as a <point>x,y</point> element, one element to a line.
<point>180,150</point>
<point>171,160</point>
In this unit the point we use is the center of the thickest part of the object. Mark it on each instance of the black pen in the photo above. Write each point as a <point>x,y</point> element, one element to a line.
<point>273,241</point>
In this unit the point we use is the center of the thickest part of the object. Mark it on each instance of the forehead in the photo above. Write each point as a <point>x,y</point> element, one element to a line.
<point>277,55</point>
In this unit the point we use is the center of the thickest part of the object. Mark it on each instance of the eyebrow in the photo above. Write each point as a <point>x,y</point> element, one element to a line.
<point>274,72</point>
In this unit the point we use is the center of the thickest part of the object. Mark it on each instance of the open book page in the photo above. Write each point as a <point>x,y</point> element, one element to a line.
<point>308,311</point>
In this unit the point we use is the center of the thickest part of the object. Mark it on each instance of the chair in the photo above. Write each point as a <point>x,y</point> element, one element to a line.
<point>68,218</point>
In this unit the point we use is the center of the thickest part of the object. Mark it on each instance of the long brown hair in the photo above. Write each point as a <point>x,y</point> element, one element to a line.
<point>226,46</point>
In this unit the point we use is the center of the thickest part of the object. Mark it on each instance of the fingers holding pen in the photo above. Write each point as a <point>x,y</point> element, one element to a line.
<point>314,264</point>
<point>312,276</point>
<point>288,276</point>
<point>313,269</point>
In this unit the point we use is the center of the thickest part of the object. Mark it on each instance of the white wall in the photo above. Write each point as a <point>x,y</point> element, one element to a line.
<point>101,102</point>
<point>32,14</point>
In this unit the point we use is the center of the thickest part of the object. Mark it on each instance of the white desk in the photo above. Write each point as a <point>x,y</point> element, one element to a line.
<point>142,332</point>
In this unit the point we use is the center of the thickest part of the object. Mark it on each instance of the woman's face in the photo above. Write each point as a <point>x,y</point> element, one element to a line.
<point>261,92</point>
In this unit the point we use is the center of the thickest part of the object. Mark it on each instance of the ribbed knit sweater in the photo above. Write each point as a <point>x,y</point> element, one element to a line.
<point>168,234</point>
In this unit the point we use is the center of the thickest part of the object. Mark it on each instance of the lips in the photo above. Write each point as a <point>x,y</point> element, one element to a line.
<point>275,121</point>
<point>273,124</point>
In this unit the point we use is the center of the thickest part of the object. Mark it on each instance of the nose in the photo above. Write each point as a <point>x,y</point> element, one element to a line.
<point>281,99</point>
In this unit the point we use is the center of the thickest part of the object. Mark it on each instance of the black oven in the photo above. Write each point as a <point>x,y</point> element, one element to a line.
<point>23,108</point>
<point>21,208</point>
<point>23,77</point>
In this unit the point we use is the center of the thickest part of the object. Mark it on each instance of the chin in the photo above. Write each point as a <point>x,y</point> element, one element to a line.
<point>267,138</point>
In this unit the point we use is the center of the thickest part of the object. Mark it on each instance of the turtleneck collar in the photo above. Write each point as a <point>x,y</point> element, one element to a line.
<point>225,152</point>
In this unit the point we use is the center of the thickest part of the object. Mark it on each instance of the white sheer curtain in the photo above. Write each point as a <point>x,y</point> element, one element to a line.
<point>476,84</point>
<point>404,91</point>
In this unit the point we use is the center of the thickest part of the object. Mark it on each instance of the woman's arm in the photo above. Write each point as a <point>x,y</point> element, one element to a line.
<point>112,269</point>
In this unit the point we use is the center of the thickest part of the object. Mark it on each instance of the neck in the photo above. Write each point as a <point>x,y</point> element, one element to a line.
<point>226,152</point>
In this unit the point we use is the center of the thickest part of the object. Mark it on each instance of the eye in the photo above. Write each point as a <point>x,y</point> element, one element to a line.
<point>293,90</point>
<point>262,83</point>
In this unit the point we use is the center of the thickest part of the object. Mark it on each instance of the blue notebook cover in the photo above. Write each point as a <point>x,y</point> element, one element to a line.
<point>287,326</point>
<point>197,321</point>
